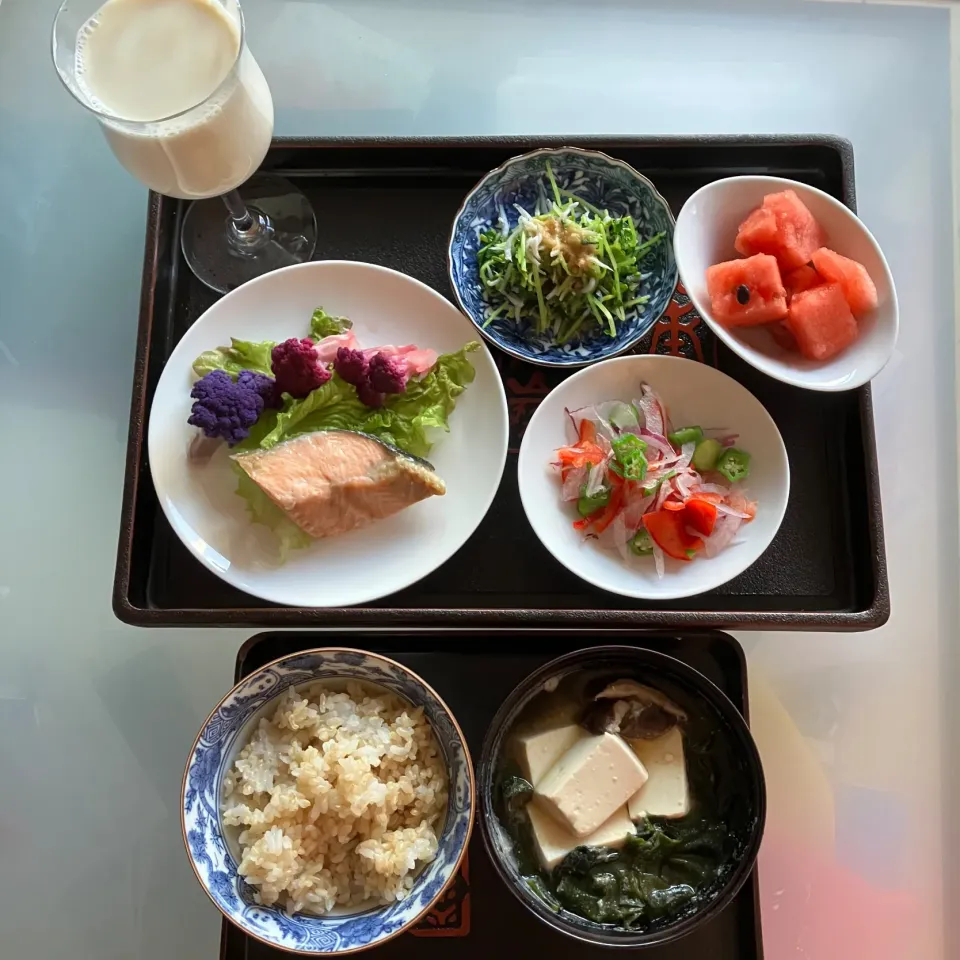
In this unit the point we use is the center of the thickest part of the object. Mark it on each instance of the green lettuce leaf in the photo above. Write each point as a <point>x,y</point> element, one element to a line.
<point>406,417</point>
<point>263,510</point>
<point>240,355</point>
<point>322,324</point>
<point>402,421</point>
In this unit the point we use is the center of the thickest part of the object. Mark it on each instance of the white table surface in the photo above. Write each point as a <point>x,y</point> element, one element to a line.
<point>858,732</point>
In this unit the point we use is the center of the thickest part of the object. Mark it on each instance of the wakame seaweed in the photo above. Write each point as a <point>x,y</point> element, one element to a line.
<point>669,868</point>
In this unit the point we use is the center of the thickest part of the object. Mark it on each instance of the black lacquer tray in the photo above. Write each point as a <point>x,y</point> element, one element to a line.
<point>473,671</point>
<point>826,568</point>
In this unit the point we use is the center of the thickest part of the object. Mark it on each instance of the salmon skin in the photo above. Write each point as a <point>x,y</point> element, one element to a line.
<point>332,481</point>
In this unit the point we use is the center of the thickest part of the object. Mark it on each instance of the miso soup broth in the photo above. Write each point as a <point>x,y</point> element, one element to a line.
<point>623,798</point>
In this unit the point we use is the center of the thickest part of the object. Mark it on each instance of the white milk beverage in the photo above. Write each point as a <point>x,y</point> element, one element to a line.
<point>147,61</point>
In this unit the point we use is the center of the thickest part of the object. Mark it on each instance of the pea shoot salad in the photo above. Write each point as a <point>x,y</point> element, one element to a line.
<point>649,489</point>
<point>567,269</point>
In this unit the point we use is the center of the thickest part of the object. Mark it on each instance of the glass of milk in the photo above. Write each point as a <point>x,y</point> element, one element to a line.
<point>186,109</point>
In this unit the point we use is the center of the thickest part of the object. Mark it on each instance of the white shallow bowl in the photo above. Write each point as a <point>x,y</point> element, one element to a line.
<point>694,393</point>
<point>199,500</point>
<point>705,234</point>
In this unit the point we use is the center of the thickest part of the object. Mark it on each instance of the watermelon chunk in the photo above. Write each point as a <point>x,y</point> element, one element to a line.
<point>782,227</point>
<point>783,337</point>
<point>821,321</point>
<point>803,278</point>
<point>758,233</point>
<point>858,288</point>
<point>746,292</point>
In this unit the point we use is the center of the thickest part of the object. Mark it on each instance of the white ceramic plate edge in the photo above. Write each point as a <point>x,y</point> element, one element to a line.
<point>189,536</point>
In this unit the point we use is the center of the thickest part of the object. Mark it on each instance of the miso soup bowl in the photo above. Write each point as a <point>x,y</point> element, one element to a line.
<point>697,692</point>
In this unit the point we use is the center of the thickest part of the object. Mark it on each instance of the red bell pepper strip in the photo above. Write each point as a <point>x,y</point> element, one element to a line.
<point>668,528</point>
<point>602,518</point>
<point>700,515</point>
<point>580,455</point>
<point>605,517</point>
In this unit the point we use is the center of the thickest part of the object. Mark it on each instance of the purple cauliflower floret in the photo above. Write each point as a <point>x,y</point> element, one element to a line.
<point>388,374</point>
<point>225,409</point>
<point>352,366</point>
<point>369,396</point>
<point>297,367</point>
<point>260,383</point>
<point>374,377</point>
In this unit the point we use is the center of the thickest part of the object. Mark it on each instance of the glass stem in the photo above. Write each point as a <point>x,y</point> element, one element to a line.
<point>247,231</point>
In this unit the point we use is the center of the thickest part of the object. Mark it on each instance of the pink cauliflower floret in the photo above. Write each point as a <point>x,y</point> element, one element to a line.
<point>373,374</point>
<point>298,368</point>
<point>351,365</point>
<point>388,374</point>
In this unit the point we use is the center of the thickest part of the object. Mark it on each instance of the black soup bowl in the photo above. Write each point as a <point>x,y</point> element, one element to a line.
<point>713,848</point>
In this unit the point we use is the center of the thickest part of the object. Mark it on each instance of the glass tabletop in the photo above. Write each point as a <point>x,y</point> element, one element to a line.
<point>858,732</point>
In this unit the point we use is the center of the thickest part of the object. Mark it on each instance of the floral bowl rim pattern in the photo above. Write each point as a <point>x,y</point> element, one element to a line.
<point>618,346</point>
<point>204,839</point>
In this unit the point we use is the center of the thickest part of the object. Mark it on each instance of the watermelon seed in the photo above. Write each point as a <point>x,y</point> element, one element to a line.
<point>743,294</point>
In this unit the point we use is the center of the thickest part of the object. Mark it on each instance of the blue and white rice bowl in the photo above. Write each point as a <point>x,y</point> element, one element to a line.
<point>606,184</point>
<point>213,853</point>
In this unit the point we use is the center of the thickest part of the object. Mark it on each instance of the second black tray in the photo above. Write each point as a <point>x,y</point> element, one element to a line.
<point>825,569</point>
<point>478,918</point>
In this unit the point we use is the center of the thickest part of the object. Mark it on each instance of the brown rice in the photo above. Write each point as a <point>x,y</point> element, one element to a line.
<point>339,797</point>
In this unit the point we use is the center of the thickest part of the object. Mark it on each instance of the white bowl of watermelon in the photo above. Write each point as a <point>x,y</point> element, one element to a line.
<point>790,279</point>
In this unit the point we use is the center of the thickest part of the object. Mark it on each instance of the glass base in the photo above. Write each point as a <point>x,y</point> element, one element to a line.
<point>223,258</point>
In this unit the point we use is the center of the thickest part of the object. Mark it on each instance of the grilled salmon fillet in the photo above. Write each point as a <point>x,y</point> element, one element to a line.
<point>333,481</point>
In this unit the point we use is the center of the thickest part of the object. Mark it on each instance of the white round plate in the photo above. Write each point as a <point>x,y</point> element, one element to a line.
<point>199,499</point>
<point>694,393</point>
<point>705,234</point>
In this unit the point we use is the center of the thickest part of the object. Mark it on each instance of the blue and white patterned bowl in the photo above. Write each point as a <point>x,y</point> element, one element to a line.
<point>220,740</point>
<point>602,181</point>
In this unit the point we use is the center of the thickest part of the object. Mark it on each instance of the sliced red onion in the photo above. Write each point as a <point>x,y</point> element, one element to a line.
<point>723,534</point>
<point>686,455</point>
<point>685,483</point>
<point>666,488</point>
<point>739,503</point>
<point>658,442</point>
<point>604,429</point>
<point>730,512</point>
<point>714,488</point>
<point>616,537</point>
<point>574,480</point>
<point>636,507</point>
<point>595,478</point>
<point>649,406</point>
<point>620,415</point>
<point>658,560</point>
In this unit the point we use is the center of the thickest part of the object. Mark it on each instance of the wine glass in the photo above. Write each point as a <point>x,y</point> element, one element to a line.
<point>187,110</point>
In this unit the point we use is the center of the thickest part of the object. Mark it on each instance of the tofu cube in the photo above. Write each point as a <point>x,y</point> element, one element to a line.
<point>589,782</point>
<point>553,843</point>
<point>538,752</point>
<point>666,792</point>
